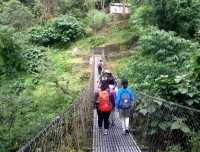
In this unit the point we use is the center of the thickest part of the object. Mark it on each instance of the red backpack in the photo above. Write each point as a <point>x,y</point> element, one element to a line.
<point>104,102</point>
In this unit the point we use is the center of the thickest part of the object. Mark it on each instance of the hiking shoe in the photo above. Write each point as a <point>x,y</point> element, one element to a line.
<point>127,131</point>
<point>105,133</point>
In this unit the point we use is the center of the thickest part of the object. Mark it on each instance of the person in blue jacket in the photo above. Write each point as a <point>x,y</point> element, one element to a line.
<point>124,113</point>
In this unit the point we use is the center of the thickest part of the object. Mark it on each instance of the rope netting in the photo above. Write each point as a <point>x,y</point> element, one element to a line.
<point>165,126</point>
<point>71,130</point>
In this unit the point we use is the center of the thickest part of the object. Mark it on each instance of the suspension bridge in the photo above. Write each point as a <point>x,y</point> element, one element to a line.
<point>160,126</point>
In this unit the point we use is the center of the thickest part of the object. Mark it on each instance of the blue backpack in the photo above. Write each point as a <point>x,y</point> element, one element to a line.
<point>125,102</point>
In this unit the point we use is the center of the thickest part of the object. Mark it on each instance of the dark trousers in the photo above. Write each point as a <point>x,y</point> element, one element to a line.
<point>99,70</point>
<point>103,116</point>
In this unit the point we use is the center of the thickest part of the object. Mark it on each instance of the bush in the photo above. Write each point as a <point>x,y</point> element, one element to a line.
<point>165,47</point>
<point>63,29</point>
<point>97,40</point>
<point>10,50</point>
<point>37,59</point>
<point>95,19</point>
<point>169,55</point>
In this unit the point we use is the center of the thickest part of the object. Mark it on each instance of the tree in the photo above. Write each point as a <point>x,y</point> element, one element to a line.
<point>183,17</point>
<point>10,49</point>
<point>28,2</point>
<point>51,7</point>
<point>77,8</point>
<point>1,5</point>
<point>39,10</point>
<point>17,15</point>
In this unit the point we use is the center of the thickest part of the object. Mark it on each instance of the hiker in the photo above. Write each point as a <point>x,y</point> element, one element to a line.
<point>123,104</point>
<point>100,67</point>
<point>113,89</point>
<point>106,74</point>
<point>103,102</point>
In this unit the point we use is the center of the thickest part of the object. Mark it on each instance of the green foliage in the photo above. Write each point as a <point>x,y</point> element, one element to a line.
<point>142,73</point>
<point>95,18</point>
<point>179,124</point>
<point>175,83</point>
<point>166,48</point>
<point>140,19</point>
<point>37,59</point>
<point>175,148</point>
<point>181,89</point>
<point>1,5</point>
<point>90,4</point>
<point>17,15</point>
<point>27,108</point>
<point>197,36</point>
<point>97,40</point>
<point>195,142</point>
<point>39,10</point>
<point>168,55</point>
<point>12,109</point>
<point>18,87</point>
<point>63,29</point>
<point>182,17</point>
<point>72,7</point>
<point>196,67</point>
<point>10,50</point>
<point>28,103</point>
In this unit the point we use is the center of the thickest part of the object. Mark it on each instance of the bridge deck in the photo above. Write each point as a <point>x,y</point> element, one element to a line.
<point>115,141</point>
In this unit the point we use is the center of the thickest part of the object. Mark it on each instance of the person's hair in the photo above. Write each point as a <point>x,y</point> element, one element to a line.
<point>110,80</point>
<point>104,85</point>
<point>125,83</point>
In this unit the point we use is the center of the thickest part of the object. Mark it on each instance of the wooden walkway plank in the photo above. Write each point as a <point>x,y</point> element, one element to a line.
<point>115,141</point>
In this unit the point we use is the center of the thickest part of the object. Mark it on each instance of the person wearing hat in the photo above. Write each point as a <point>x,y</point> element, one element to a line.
<point>123,103</point>
<point>105,76</point>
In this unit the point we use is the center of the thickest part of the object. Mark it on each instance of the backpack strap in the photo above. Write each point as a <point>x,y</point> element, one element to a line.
<point>110,94</point>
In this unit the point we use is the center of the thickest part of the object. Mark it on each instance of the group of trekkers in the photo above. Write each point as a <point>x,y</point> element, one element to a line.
<point>108,100</point>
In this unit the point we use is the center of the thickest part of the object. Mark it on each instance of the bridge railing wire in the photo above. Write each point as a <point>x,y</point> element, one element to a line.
<point>71,130</point>
<point>164,126</point>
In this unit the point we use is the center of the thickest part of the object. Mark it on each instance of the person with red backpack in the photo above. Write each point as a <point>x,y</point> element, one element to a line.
<point>123,104</point>
<point>104,103</point>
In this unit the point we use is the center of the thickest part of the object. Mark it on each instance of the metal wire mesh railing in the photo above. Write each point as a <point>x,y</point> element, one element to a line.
<point>165,126</point>
<point>71,130</point>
